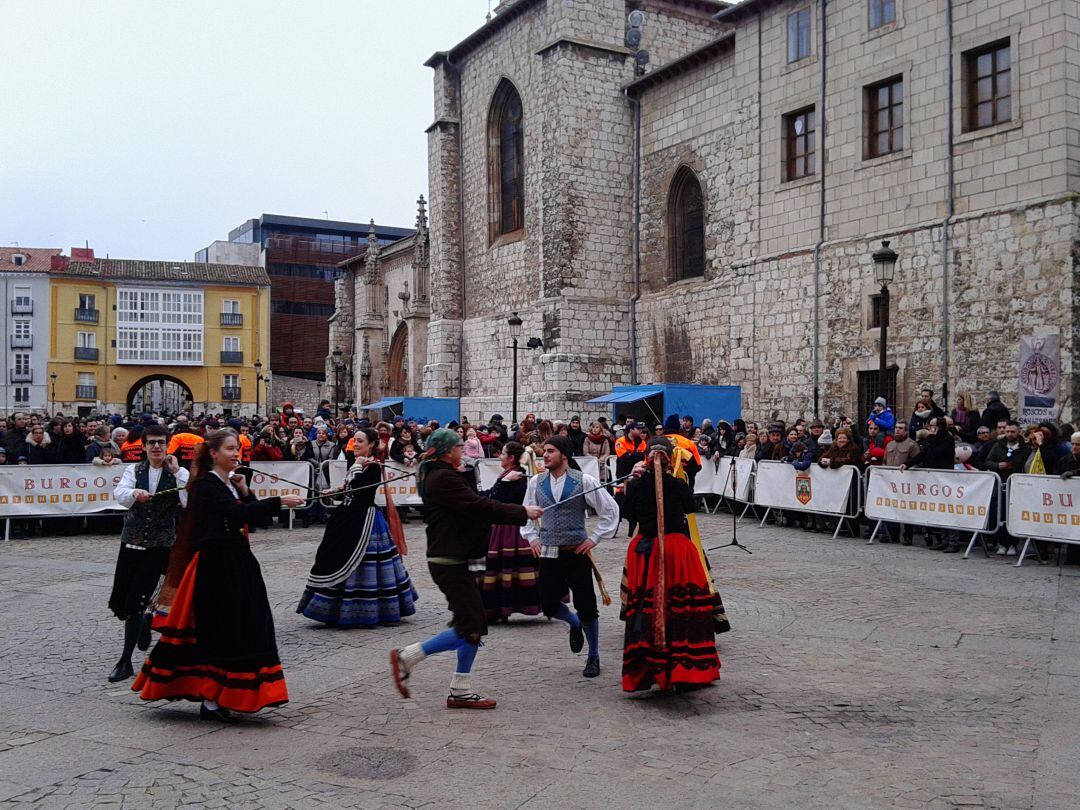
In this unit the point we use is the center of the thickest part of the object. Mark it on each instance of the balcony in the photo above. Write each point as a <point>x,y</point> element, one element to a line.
<point>86,315</point>
<point>22,307</point>
<point>22,341</point>
<point>22,376</point>
<point>85,392</point>
<point>230,394</point>
<point>86,353</point>
<point>232,319</point>
<point>232,358</point>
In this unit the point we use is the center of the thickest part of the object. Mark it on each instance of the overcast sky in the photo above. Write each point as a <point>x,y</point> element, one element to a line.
<point>151,128</point>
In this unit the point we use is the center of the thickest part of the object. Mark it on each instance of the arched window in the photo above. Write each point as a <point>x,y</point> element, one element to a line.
<point>506,162</point>
<point>686,227</point>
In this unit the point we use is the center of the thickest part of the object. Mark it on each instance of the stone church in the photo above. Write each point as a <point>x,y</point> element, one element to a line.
<point>691,191</point>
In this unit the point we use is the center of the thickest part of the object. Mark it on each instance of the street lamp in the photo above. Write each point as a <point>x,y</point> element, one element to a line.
<point>266,380</point>
<point>258,384</point>
<point>515,332</point>
<point>337,379</point>
<point>884,268</point>
<point>52,401</point>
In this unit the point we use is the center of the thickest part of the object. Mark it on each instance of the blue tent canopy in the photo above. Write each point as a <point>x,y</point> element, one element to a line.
<point>674,399</point>
<point>442,409</point>
<point>382,403</point>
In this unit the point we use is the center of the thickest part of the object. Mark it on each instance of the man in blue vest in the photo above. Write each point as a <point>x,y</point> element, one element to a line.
<point>563,543</point>
<point>152,492</point>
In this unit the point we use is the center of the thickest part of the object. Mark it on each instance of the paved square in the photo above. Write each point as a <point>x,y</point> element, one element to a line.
<point>856,676</point>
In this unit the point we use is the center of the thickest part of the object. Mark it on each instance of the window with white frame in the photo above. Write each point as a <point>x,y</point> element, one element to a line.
<point>159,326</point>
<point>85,378</point>
<point>86,340</point>
<point>230,306</point>
<point>22,393</point>
<point>22,363</point>
<point>87,301</point>
<point>230,380</point>
<point>231,344</point>
<point>22,297</point>
<point>21,328</point>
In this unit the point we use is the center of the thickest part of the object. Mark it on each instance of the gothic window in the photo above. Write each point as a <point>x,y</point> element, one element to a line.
<point>686,227</point>
<point>506,170</point>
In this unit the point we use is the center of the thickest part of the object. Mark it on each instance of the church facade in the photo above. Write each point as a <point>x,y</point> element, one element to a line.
<point>710,218</point>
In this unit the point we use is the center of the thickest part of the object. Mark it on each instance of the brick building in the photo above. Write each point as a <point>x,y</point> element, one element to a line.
<point>712,220</point>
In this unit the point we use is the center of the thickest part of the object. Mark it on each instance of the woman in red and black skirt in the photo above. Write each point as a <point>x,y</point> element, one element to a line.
<point>217,641</point>
<point>686,658</point>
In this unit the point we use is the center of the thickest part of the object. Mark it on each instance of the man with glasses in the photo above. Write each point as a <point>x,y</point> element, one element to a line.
<point>152,491</point>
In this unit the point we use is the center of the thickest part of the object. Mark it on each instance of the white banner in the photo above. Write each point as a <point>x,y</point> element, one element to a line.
<point>734,486</point>
<point>1040,378</point>
<point>489,469</point>
<point>780,486</point>
<point>272,479</point>
<point>1044,507</point>
<point>403,492</point>
<point>706,477</point>
<point>58,489</point>
<point>951,499</point>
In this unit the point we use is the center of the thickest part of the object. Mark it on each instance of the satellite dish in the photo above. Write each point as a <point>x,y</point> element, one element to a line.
<point>641,58</point>
<point>636,18</point>
<point>633,37</point>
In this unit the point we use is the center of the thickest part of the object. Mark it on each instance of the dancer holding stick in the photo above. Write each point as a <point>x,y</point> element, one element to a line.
<point>667,602</point>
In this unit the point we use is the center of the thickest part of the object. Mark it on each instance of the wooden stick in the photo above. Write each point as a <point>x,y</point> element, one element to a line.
<point>660,596</point>
<point>604,596</point>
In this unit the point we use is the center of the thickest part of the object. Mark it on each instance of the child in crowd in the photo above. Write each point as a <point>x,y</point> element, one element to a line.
<point>108,456</point>
<point>473,448</point>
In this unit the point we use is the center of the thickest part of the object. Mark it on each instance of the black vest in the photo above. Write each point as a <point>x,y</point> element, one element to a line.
<point>152,524</point>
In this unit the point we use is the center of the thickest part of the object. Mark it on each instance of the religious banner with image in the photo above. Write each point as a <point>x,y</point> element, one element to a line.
<point>57,489</point>
<point>1040,378</point>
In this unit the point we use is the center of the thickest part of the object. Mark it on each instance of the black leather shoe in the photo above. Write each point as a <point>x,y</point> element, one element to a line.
<point>121,672</point>
<point>577,639</point>
<point>220,715</point>
<point>592,668</point>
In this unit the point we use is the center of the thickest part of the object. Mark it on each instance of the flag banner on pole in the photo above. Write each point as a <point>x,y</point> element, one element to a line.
<point>950,499</point>
<point>1039,377</point>
<point>1044,507</point>
<point>40,490</point>
<point>780,486</point>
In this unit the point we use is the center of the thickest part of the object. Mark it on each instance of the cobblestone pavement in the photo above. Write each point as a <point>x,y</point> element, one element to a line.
<point>856,676</point>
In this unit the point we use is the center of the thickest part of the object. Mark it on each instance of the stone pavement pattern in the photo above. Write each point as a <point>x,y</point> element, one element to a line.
<point>856,676</point>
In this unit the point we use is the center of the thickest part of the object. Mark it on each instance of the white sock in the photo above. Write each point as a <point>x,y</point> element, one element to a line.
<point>460,685</point>
<point>412,655</point>
<point>211,705</point>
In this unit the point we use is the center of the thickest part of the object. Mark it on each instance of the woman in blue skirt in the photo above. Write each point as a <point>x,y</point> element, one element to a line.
<point>359,578</point>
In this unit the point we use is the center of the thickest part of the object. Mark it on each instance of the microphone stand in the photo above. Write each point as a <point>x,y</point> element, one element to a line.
<point>734,478</point>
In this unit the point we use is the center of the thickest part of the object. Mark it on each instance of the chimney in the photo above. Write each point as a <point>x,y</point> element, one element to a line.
<point>82,254</point>
<point>58,262</point>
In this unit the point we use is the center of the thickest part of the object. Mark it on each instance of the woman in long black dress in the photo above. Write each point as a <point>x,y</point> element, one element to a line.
<point>359,578</point>
<point>217,640</point>
<point>511,582</point>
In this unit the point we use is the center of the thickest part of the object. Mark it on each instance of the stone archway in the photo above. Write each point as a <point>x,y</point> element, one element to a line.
<point>397,368</point>
<point>161,393</point>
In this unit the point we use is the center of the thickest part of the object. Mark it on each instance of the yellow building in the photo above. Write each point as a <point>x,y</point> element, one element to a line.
<point>131,335</point>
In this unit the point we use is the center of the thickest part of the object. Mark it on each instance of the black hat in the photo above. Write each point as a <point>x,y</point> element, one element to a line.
<point>562,444</point>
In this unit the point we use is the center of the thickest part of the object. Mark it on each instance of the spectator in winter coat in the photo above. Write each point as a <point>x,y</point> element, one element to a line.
<point>576,434</point>
<point>882,415</point>
<point>925,410</point>
<point>39,448</point>
<point>1042,451</point>
<point>939,453</point>
<point>1069,465</point>
<point>874,445</point>
<point>994,411</point>
<point>15,436</point>
<point>596,444</point>
<point>966,419</point>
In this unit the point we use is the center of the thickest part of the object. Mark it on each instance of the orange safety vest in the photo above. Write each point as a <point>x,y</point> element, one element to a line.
<point>687,445</point>
<point>245,448</point>
<point>623,446</point>
<point>132,452</point>
<point>184,445</point>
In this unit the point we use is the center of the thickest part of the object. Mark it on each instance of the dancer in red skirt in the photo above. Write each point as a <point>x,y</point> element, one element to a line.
<point>675,649</point>
<point>217,641</point>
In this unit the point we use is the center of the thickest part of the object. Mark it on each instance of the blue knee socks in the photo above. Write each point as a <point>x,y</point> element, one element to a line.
<point>565,614</point>
<point>466,653</point>
<point>592,637</point>
<point>445,641</point>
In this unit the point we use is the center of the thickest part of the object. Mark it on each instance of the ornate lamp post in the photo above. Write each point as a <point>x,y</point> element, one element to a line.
<point>52,400</point>
<point>884,268</point>
<point>514,323</point>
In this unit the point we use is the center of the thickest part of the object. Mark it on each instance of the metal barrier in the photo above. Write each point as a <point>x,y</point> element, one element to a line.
<point>1042,508</point>
<point>773,495</point>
